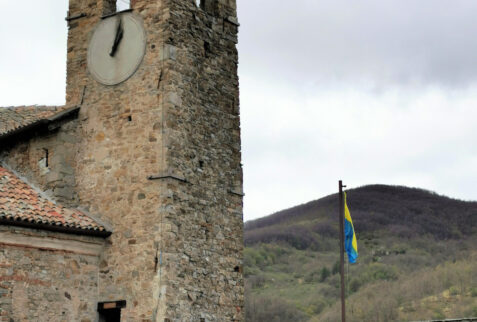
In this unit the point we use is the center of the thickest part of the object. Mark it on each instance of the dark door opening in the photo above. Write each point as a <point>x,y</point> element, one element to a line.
<point>110,311</point>
<point>111,315</point>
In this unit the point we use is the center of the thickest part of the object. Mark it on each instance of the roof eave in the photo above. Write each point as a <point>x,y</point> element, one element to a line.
<point>61,229</point>
<point>42,123</point>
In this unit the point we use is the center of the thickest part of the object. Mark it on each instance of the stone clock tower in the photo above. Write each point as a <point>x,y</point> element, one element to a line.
<point>158,153</point>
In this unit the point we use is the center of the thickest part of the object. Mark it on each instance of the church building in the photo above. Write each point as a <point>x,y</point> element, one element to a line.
<point>125,204</point>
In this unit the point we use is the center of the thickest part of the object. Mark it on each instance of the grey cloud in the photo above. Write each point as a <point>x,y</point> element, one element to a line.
<point>33,57</point>
<point>301,133</point>
<point>392,42</point>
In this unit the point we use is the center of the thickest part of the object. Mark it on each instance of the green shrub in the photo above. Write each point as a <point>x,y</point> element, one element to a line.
<point>257,281</point>
<point>258,309</point>
<point>473,292</point>
<point>334,281</point>
<point>399,249</point>
<point>378,271</point>
<point>438,314</point>
<point>325,272</point>
<point>336,268</point>
<point>309,278</point>
<point>297,275</point>
<point>354,285</point>
<point>454,290</point>
<point>316,307</point>
<point>249,271</point>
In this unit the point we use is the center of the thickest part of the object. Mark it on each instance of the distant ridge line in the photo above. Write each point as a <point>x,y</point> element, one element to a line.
<point>258,222</point>
<point>284,214</point>
<point>402,211</point>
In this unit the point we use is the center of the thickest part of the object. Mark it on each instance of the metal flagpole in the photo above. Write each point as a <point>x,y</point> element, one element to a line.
<point>341,217</point>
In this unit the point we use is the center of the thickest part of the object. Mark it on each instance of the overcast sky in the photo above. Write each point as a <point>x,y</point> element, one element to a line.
<point>366,91</point>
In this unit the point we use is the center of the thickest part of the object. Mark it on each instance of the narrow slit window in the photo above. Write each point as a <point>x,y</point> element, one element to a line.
<point>46,157</point>
<point>112,6</point>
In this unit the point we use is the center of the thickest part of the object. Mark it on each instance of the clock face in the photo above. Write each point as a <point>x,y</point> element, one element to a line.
<point>116,48</point>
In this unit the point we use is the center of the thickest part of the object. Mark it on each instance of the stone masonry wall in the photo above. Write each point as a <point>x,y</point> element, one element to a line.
<point>47,285</point>
<point>120,146</point>
<point>57,179</point>
<point>176,250</point>
<point>203,145</point>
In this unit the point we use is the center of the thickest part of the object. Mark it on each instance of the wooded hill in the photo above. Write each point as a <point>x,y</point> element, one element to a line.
<point>406,236</point>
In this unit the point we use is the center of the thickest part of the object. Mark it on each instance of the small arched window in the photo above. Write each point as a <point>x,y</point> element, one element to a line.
<point>123,5</point>
<point>113,6</point>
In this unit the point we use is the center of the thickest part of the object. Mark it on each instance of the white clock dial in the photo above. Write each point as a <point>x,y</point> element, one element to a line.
<point>117,48</point>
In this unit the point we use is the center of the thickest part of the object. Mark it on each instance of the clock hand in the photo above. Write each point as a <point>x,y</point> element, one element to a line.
<point>117,38</point>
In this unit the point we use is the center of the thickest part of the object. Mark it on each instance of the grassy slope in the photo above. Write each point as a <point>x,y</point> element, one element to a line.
<point>404,235</point>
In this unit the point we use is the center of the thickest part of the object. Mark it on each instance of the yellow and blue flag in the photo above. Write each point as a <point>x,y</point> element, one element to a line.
<point>351,244</point>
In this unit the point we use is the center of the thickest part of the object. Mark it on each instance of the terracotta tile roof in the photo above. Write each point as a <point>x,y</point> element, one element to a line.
<point>22,205</point>
<point>17,117</point>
